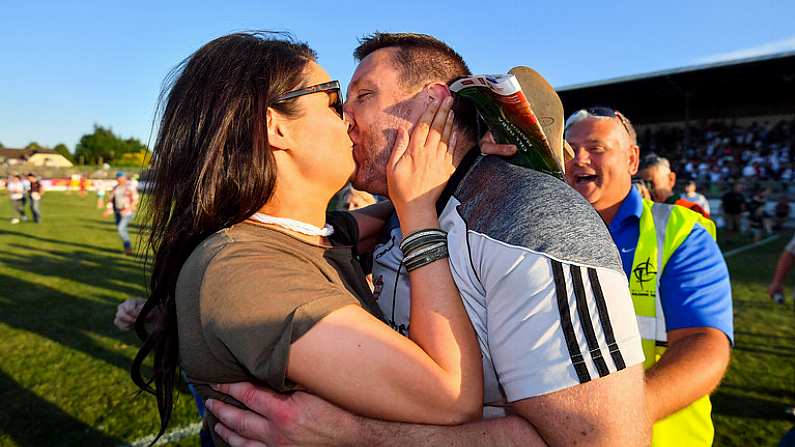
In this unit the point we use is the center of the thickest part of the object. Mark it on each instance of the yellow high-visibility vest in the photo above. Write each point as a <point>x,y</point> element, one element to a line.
<point>663,228</point>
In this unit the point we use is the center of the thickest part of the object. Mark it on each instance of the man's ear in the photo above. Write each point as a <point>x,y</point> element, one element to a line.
<point>278,131</point>
<point>438,91</point>
<point>634,159</point>
<point>672,179</point>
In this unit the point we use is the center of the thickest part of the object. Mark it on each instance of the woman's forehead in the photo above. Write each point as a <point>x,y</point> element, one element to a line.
<point>316,74</point>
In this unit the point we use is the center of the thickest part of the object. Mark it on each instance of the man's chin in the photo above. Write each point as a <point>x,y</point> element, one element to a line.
<point>589,191</point>
<point>367,185</point>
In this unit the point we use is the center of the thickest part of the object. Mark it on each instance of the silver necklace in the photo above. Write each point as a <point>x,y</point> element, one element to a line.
<point>294,225</point>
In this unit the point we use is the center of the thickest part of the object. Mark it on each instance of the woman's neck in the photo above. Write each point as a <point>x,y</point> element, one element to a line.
<point>319,241</point>
<point>303,212</point>
<point>303,206</point>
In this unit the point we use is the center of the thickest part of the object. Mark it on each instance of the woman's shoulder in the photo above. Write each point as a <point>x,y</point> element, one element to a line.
<point>252,239</point>
<point>240,267</point>
<point>245,251</point>
<point>192,270</point>
<point>237,261</point>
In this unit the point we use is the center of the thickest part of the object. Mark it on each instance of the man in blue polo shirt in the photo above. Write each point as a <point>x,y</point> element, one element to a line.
<point>678,279</point>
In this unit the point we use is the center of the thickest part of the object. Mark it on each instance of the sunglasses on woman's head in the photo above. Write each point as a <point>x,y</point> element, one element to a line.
<point>331,88</point>
<point>599,112</point>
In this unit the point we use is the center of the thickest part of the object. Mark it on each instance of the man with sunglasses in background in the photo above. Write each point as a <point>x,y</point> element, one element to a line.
<point>536,268</point>
<point>678,279</point>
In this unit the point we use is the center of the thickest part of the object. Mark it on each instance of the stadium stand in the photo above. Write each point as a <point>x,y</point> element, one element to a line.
<point>718,123</point>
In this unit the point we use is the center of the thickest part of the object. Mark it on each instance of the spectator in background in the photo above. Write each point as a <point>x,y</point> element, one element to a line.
<point>642,186</point>
<point>112,205</point>
<point>758,216</point>
<point>355,199</point>
<point>733,204</point>
<point>787,174</point>
<point>99,187</point>
<point>692,196</point>
<point>74,183</point>
<point>127,312</point>
<point>25,191</point>
<point>776,287</point>
<point>83,185</point>
<point>751,170</point>
<point>656,172</point>
<point>782,212</point>
<point>16,193</point>
<point>34,193</point>
<point>776,292</point>
<point>125,202</point>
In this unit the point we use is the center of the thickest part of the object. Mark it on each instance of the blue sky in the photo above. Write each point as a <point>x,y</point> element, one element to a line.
<point>66,65</point>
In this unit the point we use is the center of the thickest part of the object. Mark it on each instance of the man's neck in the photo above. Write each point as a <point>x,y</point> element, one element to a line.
<point>461,149</point>
<point>609,210</point>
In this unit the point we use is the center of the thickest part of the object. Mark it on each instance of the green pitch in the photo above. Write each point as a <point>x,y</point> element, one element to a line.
<point>64,367</point>
<point>760,384</point>
<point>64,373</point>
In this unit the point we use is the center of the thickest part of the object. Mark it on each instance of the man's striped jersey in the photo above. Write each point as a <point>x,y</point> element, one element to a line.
<point>538,273</point>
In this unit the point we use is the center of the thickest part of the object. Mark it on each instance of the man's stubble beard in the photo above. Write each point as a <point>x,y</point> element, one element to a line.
<point>370,172</point>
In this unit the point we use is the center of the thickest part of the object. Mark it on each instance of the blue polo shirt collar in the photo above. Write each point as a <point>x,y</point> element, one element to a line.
<point>629,211</point>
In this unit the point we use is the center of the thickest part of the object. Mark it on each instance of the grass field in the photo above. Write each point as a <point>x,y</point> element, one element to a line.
<point>64,366</point>
<point>64,376</point>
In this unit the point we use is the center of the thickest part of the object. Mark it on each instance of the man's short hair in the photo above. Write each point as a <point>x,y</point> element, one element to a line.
<point>422,59</point>
<point>653,160</point>
<point>602,112</point>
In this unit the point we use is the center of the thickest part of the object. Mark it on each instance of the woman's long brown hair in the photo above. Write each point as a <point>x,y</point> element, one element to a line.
<point>212,168</point>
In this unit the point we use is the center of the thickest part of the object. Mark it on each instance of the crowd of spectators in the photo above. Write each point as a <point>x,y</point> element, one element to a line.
<point>718,153</point>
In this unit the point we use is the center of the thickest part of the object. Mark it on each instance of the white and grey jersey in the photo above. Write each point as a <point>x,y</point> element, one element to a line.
<point>539,275</point>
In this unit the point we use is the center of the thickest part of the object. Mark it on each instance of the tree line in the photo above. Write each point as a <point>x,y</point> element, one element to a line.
<point>103,146</point>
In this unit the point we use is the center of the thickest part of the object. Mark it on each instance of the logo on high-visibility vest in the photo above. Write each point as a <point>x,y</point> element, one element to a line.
<point>643,272</point>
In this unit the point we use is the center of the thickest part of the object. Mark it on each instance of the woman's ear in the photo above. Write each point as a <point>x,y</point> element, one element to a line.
<point>278,131</point>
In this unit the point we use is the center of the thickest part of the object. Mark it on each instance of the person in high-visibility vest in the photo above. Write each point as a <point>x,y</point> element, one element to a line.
<point>678,278</point>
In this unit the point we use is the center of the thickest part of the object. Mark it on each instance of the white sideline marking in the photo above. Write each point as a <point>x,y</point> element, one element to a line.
<point>170,436</point>
<point>750,246</point>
